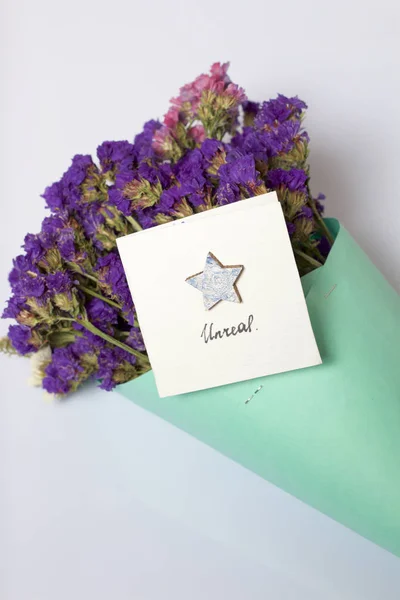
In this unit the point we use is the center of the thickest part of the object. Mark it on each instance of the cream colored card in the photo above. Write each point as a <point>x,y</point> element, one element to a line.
<point>219,298</point>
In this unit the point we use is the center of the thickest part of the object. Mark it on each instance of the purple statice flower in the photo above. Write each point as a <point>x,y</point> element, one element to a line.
<point>147,171</point>
<point>290,131</point>
<point>33,247</point>
<point>54,196</point>
<point>293,179</point>
<point>21,264</point>
<point>306,212</point>
<point>168,199</point>
<point>143,141</point>
<point>111,272</point>
<point>283,137</point>
<point>127,172</point>
<point>190,173</point>
<point>290,227</point>
<point>21,338</point>
<point>83,345</point>
<point>91,219</point>
<point>190,165</point>
<point>56,232</point>
<point>78,170</point>
<point>59,283</point>
<point>237,175</point>
<point>240,170</point>
<point>146,217</point>
<point>25,279</point>
<point>278,110</point>
<point>135,339</point>
<point>101,314</point>
<point>63,371</point>
<point>66,193</point>
<point>112,154</point>
<point>227,193</point>
<point>51,227</point>
<point>318,203</point>
<point>109,360</point>
<point>262,145</point>
<point>116,198</point>
<point>66,243</point>
<point>210,148</point>
<point>87,342</point>
<point>155,172</point>
<point>14,307</point>
<point>142,168</point>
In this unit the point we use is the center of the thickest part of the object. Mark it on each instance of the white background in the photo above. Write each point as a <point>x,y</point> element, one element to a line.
<point>98,498</point>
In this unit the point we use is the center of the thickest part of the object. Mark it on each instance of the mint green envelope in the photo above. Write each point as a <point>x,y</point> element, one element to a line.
<point>329,435</point>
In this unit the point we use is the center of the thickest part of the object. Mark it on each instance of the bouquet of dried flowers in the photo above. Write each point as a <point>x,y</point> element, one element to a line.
<point>70,297</point>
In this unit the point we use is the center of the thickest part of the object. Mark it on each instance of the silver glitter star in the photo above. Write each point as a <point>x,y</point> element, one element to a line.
<point>217,282</point>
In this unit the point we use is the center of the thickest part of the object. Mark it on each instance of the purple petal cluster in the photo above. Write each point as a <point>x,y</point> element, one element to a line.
<point>66,194</point>
<point>113,154</point>
<point>109,362</point>
<point>101,314</point>
<point>111,274</point>
<point>292,179</point>
<point>59,282</point>
<point>88,356</point>
<point>135,339</point>
<point>64,370</point>
<point>21,338</point>
<point>278,110</point>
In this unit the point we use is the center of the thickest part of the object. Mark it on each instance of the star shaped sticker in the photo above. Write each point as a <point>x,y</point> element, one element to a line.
<point>217,282</point>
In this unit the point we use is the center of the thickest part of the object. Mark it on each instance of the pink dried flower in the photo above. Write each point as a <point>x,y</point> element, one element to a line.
<point>204,99</point>
<point>197,133</point>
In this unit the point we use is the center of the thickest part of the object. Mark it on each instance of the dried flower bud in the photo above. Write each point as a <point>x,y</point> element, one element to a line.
<point>51,261</point>
<point>43,310</point>
<point>294,201</point>
<point>160,219</point>
<point>142,193</point>
<point>124,372</point>
<point>304,229</point>
<point>106,237</point>
<point>27,318</point>
<point>67,302</point>
<point>182,209</point>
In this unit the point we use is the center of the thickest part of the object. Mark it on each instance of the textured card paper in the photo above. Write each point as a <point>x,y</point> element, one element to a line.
<point>219,298</point>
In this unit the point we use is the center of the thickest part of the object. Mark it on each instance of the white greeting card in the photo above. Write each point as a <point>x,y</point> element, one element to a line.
<point>218,297</point>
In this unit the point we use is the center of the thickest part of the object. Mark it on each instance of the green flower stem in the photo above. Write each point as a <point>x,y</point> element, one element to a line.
<point>318,254</point>
<point>319,218</point>
<point>91,292</point>
<point>315,263</point>
<point>321,222</point>
<point>62,338</point>
<point>134,223</point>
<point>112,340</point>
<point>74,268</point>
<point>90,327</point>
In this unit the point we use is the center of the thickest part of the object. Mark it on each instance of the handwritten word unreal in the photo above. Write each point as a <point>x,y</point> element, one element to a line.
<point>209,333</point>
